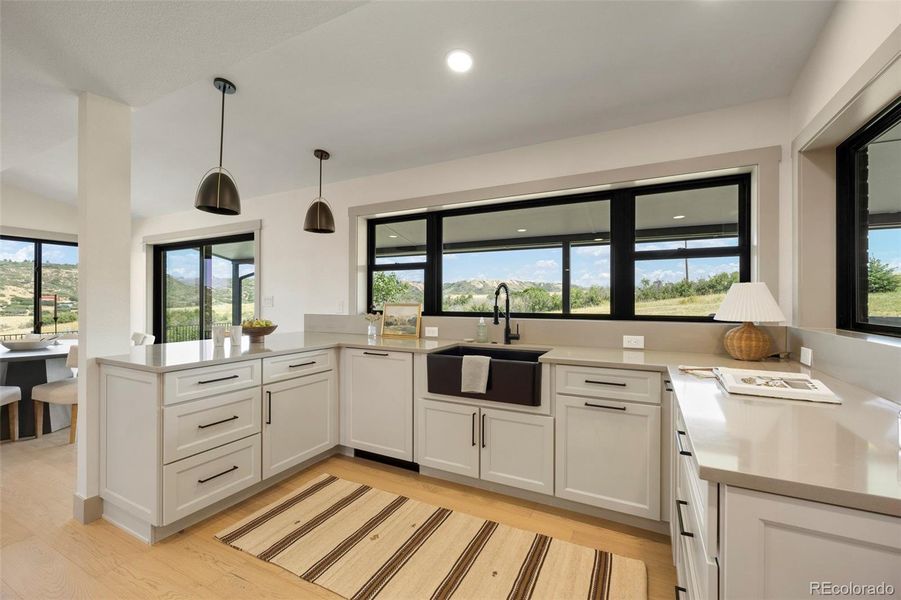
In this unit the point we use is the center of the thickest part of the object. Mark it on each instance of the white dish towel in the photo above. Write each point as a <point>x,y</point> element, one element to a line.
<point>474,378</point>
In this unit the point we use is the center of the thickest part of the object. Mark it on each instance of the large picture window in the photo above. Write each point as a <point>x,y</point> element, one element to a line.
<point>39,289</point>
<point>652,252</point>
<point>202,284</point>
<point>868,201</point>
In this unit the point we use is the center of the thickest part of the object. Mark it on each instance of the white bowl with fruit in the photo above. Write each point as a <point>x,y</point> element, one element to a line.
<point>257,329</point>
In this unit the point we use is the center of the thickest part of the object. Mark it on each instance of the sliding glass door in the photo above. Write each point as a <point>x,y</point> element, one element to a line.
<point>201,284</point>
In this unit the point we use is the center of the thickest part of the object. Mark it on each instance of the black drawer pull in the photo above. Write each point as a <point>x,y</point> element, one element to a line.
<point>679,591</point>
<point>596,382</point>
<point>679,505</point>
<point>682,450</point>
<point>607,407</point>
<point>218,379</point>
<point>217,422</point>
<point>376,353</point>
<point>269,412</point>
<point>211,477</point>
<point>473,429</point>
<point>306,364</point>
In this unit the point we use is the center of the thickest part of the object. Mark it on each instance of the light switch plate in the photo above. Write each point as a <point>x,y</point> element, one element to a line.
<point>806,356</point>
<point>633,341</point>
<point>431,332</point>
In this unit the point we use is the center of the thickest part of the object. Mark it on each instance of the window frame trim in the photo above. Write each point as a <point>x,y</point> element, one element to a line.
<point>622,247</point>
<point>847,246</point>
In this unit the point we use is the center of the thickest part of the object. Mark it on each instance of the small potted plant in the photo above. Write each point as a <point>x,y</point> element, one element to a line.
<point>372,318</point>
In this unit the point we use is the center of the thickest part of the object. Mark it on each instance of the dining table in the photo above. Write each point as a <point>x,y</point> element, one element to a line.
<point>28,368</point>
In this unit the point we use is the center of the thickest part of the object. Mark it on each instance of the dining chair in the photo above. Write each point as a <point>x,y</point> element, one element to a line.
<point>142,339</point>
<point>64,391</point>
<point>11,394</point>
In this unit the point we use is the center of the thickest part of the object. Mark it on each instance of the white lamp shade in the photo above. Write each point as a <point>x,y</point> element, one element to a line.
<point>749,302</point>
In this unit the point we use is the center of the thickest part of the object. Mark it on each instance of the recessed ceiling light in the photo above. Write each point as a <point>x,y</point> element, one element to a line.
<point>392,236</point>
<point>679,217</point>
<point>598,239</point>
<point>522,230</point>
<point>459,61</point>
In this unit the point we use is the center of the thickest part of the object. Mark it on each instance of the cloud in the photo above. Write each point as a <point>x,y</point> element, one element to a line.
<point>592,250</point>
<point>546,264</point>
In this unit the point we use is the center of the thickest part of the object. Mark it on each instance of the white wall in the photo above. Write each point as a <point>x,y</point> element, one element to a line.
<point>307,273</point>
<point>854,31</point>
<point>24,210</point>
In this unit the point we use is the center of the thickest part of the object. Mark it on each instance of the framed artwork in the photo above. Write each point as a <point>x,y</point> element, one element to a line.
<point>401,320</point>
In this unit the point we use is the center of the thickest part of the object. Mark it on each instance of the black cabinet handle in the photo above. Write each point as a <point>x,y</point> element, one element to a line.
<point>596,382</point>
<point>269,412</point>
<point>679,591</point>
<point>473,429</point>
<point>682,450</point>
<point>679,505</point>
<point>376,353</point>
<point>483,430</point>
<point>225,472</point>
<point>306,364</point>
<point>607,407</point>
<point>217,422</point>
<point>218,379</point>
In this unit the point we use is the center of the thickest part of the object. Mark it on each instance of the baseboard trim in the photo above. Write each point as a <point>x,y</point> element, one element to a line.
<point>86,510</point>
<point>660,527</point>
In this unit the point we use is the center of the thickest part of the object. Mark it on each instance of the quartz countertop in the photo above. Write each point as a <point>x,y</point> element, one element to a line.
<point>847,454</point>
<point>177,356</point>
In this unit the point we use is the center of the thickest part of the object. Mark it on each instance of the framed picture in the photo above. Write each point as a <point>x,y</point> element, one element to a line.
<point>401,320</point>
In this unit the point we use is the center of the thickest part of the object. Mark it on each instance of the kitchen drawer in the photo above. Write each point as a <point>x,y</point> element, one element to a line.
<point>703,495</point>
<point>191,384</point>
<point>199,425</point>
<point>289,366</point>
<point>203,479</point>
<point>697,574</point>
<point>616,384</point>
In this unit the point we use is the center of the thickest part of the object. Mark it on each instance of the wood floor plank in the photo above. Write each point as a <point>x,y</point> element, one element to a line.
<point>46,554</point>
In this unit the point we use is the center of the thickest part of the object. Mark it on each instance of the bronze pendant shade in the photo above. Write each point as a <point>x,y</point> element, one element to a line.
<point>319,217</point>
<point>217,192</point>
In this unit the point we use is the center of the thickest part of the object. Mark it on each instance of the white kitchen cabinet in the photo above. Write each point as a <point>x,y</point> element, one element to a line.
<point>447,437</point>
<point>377,402</point>
<point>608,454</point>
<point>300,420</point>
<point>517,449</point>
<point>778,547</point>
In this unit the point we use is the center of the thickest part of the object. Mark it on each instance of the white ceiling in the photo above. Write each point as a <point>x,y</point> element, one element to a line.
<point>367,81</point>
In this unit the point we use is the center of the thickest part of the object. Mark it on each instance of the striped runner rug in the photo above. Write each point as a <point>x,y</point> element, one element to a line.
<point>361,542</point>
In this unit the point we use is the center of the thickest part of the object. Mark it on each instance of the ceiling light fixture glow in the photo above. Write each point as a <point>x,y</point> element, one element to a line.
<point>679,217</point>
<point>521,230</point>
<point>392,236</point>
<point>459,61</point>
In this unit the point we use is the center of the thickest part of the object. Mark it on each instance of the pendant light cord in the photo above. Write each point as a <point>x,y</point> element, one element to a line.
<point>320,176</point>
<point>222,128</point>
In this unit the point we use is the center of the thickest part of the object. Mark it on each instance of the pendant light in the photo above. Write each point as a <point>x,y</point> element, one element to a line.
<point>218,193</point>
<point>319,216</point>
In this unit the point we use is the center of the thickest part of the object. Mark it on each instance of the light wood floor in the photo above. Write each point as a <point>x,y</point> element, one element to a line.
<point>45,554</point>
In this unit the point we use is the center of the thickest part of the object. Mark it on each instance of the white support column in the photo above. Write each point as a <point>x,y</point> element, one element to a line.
<point>104,272</point>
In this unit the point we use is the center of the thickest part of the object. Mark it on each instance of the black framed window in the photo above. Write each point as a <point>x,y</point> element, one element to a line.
<point>666,251</point>
<point>201,284</point>
<point>38,286</point>
<point>868,226</point>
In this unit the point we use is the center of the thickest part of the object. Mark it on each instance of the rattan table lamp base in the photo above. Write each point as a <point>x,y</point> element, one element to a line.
<point>747,342</point>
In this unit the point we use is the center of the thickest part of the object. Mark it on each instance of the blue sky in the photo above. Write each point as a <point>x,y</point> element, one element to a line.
<point>52,253</point>
<point>885,244</point>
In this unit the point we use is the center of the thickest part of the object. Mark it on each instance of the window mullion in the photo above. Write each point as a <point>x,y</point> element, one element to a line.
<point>622,262</point>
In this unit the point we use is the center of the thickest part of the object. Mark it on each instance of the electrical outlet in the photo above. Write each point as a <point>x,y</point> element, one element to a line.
<point>633,341</point>
<point>806,356</point>
<point>268,301</point>
<point>431,332</point>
